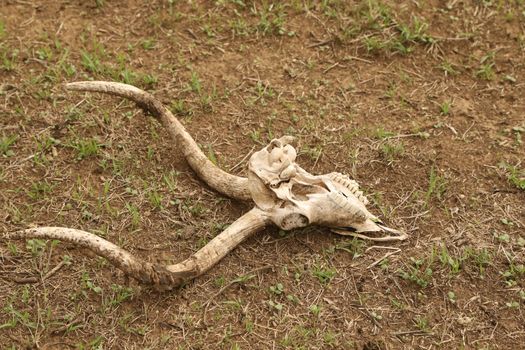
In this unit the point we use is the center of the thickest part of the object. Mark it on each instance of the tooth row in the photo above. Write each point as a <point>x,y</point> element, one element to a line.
<point>345,204</point>
<point>350,184</point>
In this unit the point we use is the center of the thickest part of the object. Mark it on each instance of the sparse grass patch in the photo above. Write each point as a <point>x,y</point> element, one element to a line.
<point>178,107</point>
<point>515,175</point>
<point>452,297</point>
<point>386,33</point>
<point>416,31</point>
<point>127,76</point>
<point>448,68</point>
<point>275,306</point>
<point>480,257</point>
<point>170,180</point>
<point>382,134</point>
<point>447,260</point>
<point>17,317</point>
<point>422,323</point>
<point>272,20</point>
<point>514,273</point>
<point>354,247</point>
<point>196,209</point>
<point>195,84</point>
<point>278,289</point>
<point>518,131</point>
<point>39,190</point>
<point>148,44</point>
<point>85,148</point>
<point>36,246</point>
<point>437,186</point>
<point>91,62</point>
<point>374,44</point>
<point>6,142</point>
<point>44,144</point>
<point>444,108</point>
<point>7,59</point>
<point>44,53</point>
<point>149,79</point>
<point>419,271</point>
<point>2,29</point>
<point>155,199</point>
<point>313,152</point>
<point>135,215</point>
<point>315,309</point>
<point>486,67</point>
<point>118,295</point>
<point>323,274</point>
<point>89,285</point>
<point>263,92</point>
<point>239,27</point>
<point>391,150</point>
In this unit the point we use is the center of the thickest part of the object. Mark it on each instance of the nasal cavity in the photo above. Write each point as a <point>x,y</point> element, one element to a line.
<point>294,220</point>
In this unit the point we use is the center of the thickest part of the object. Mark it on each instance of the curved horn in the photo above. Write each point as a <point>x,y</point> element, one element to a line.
<point>165,276</point>
<point>230,185</point>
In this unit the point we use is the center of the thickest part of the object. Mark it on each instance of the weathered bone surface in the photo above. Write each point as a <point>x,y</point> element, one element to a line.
<point>284,194</point>
<point>157,274</point>
<point>294,198</point>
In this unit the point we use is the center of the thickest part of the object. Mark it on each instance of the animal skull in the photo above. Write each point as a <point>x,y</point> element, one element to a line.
<point>294,198</point>
<point>284,194</point>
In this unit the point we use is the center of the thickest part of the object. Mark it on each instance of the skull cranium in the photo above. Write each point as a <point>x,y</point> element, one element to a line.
<point>294,198</point>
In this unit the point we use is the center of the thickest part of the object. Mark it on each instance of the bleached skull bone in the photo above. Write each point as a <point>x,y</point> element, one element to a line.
<point>294,198</point>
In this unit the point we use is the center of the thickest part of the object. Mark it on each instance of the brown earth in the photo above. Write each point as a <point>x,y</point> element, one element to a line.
<point>421,102</point>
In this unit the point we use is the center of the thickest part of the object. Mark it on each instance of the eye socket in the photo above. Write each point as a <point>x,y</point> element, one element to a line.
<point>277,184</point>
<point>273,144</point>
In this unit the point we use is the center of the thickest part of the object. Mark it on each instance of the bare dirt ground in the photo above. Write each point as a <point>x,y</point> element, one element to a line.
<point>422,102</point>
